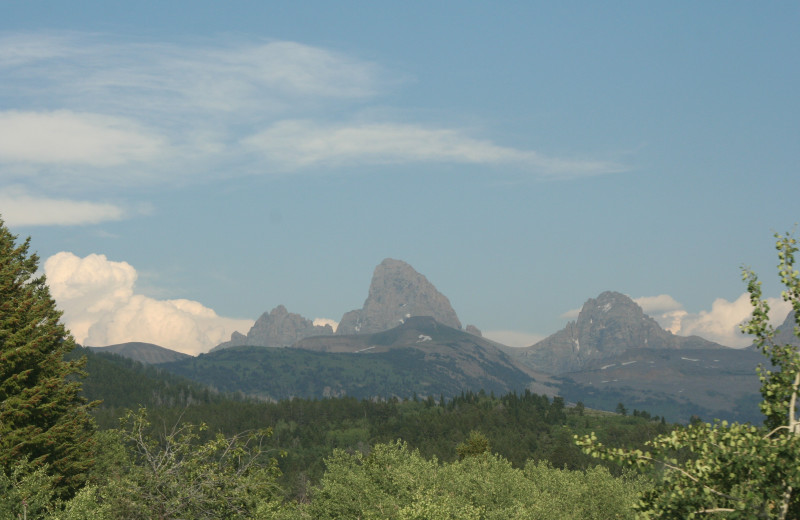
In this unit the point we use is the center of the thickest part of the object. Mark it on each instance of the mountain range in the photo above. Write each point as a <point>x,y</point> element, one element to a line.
<point>407,339</point>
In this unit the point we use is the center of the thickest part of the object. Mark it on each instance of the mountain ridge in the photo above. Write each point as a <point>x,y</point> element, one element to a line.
<point>606,326</point>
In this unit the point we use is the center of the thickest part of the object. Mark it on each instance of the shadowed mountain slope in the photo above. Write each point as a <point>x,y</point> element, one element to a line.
<point>421,356</point>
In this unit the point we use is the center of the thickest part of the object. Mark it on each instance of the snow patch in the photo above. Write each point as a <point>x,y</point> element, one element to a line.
<point>628,363</point>
<point>689,359</point>
<point>606,307</point>
<point>423,337</point>
<point>608,366</point>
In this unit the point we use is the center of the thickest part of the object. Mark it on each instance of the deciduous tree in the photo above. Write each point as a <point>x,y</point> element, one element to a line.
<point>735,470</point>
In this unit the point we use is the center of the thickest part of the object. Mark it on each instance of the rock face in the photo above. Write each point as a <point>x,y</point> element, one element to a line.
<point>606,327</point>
<point>475,331</point>
<point>397,292</point>
<point>785,335</point>
<point>279,328</point>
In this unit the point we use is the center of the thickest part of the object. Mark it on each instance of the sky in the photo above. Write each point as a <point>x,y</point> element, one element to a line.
<point>183,167</point>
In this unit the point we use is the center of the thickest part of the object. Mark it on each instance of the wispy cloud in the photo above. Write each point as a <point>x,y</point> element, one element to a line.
<point>90,111</point>
<point>17,208</point>
<point>68,138</point>
<point>301,143</point>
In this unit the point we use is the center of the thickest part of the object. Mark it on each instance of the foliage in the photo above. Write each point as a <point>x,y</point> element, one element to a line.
<point>42,416</point>
<point>176,476</point>
<point>26,490</point>
<point>734,470</point>
<point>475,445</point>
<point>396,482</point>
<point>285,373</point>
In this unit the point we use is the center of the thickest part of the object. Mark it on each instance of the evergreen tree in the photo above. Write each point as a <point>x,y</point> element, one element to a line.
<point>42,416</point>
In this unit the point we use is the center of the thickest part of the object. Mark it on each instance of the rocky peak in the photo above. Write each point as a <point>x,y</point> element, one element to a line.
<point>278,328</point>
<point>607,326</point>
<point>396,293</point>
<point>785,335</point>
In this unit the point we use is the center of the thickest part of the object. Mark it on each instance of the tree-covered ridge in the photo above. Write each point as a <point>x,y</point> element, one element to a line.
<point>273,373</point>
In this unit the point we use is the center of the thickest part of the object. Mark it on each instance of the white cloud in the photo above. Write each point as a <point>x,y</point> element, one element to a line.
<point>17,208</point>
<point>65,137</point>
<point>661,303</point>
<point>226,75</point>
<point>101,308</point>
<point>302,143</point>
<point>720,323</point>
<point>513,338</point>
<point>321,322</point>
<point>92,110</point>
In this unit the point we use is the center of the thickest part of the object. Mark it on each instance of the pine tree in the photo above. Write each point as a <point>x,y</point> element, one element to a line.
<point>42,416</point>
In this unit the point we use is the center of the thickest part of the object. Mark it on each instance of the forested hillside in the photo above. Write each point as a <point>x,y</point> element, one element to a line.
<point>520,426</point>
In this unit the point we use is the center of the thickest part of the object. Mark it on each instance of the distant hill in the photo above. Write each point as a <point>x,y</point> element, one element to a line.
<point>709,383</point>
<point>142,352</point>
<point>421,356</point>
<point>607,326</point>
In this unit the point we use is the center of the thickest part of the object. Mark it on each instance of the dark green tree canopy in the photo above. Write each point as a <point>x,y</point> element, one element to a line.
<point>42,416</point>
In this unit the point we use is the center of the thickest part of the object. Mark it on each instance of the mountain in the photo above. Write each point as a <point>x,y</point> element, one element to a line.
<point>785,335</point>
<point>420,356</point>
<point>607,326</point>
<point>142,352</point>
<point>397,292</point>
<point>278,328</point>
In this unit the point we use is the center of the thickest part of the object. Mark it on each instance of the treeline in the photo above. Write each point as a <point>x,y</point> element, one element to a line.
<point>520,426</point>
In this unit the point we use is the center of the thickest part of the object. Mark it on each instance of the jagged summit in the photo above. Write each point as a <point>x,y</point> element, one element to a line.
<point>396,293</point>
<point>278,328</point>
<point>606,327</point>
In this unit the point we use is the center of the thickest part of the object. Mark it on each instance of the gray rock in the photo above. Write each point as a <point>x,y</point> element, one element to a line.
<point>396,293</point>
<point>475,331</point>
<point>279,328</point>
<point>785,335</point>
<point>606,327</point>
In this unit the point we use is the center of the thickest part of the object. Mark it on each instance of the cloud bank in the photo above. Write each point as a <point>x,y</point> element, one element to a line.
<point>101,308</point>
<point>93,114</point>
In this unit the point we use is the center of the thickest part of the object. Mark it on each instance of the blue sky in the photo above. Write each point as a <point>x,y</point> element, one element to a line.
<point>183,167</point>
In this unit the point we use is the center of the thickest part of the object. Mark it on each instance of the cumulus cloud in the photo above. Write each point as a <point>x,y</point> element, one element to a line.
<point>513,338</point>
<point>101,308</point>
<point>321,322</point>
<point>720,323</point>
<point>18,208</point>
